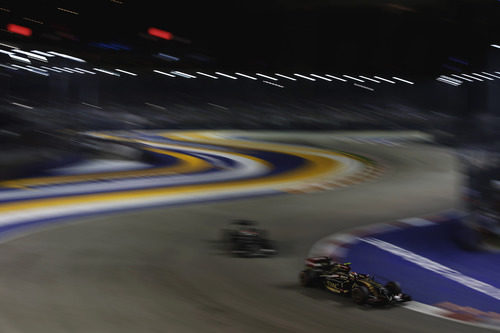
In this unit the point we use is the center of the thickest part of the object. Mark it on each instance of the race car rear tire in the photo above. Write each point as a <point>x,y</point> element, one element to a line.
<point>308,278</point>
<point>393,287</point>
<point>360,295</point>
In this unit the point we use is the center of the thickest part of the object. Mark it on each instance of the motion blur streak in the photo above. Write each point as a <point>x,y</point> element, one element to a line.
<point>18,29</point>
<point>442,270</point>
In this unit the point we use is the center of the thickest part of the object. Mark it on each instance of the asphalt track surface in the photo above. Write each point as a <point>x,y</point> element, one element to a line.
<point>163,270</point>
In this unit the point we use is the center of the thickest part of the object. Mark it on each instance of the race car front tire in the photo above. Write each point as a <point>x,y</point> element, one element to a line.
<point>360,294</point>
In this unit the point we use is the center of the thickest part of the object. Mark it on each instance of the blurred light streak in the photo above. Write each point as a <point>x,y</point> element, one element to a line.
<point>125,72</point>
<point>19,29</point>
<point>402,80</point>
<point>160,33</point>
<point>247,76</point>
<point>105,71</point>
<point>74,70</point>
<point>448,81</point>
<point>32,20</point>
<point>31,55</point>
<point>84,70</point>
<point>9,67</point>
<point>62,55</point>
<point>51,69</point>
<point>5,9</point>
<point>353,78</point>
<point>36,68</point>
<point>91,105</point>
<point>274,84</point>
<point>118,2</point>
<point>31,70</point>
<point>486,73</point>
<point>218,106</point>
<point>63,69</point>
<point>45,54</point>
<point>67,11</point>
<point>364,87</point>
<point>188,76</point>
<point>472,77</point>
<point>167,57</point>
<point>462,78</point>
<point>496,46</point>
<point>336,77</point>
<point>163,73</point>
<point>226,75</point>
<point>304,77</point>
<point>7,45</point>
<point>369,79</point>
<point>18,58</point>
<point>285,77</point>
<point>207,75</point>
<point>22,105</point>
<point>321,77</point>
<point>383,79</point>
<point>155,106</point>
<point>266,76</point>
<point>482,76</point>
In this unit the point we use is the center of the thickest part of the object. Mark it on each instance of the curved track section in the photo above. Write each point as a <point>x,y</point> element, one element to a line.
<point>162,269</point>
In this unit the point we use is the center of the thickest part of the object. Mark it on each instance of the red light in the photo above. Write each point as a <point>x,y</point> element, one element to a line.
<point>17,29</point>
<point>160,33</point>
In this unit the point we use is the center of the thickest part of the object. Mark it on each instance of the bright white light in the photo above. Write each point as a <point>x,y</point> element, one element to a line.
<point>6,52</point>
<point>266,76</point>
<point>353,78</point>
<point>321,77</point>
<point>472,77</point>
<point>304,77</point>
<point>364,87</point>
<point>402,80</point>
<point>18,58</point>
<point>226,75</point>
<point>125,72</point>
<point>450,79</point>
<point>22,105</point>
<point>207,75</point>
<point>336,77</point>
<point>163,73</point>
<point>462,78</point>
<point>84,70</point>
<point>186,75</point>
<point>274,84</point>
<point>31,55</point>
<point>62,55</point>
<point>369,79</point>
<point>105,71</point>
<point>497,77</point>
<point>285,77</point>
<point>45,54</point>
<point>386,80</point>
<point>482,76</point>
<point>447,81</point>
<point>496,46</point>
<point>247,76</point>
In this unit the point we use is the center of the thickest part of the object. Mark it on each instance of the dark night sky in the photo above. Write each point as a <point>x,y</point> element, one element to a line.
<point>358,36</point>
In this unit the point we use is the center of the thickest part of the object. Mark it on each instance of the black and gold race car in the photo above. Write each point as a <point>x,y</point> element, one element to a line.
<point>338,278</point>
